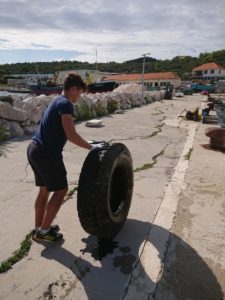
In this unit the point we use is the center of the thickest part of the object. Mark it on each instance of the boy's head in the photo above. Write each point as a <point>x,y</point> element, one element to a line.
<point>74,80</point>
<point>73,86</point>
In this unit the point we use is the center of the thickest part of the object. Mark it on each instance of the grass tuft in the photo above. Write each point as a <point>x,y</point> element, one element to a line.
<point>70,194</point>
<point>150,165</point>
<point>17,255</point>
<point>188,155</point>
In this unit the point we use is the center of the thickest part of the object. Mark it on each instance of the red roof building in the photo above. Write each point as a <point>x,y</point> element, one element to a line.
<point>208,72</point>
<point>150,79</point>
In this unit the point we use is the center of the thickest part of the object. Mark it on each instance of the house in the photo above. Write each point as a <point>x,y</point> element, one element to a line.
<point>150,79</point>
<point>208,72</point>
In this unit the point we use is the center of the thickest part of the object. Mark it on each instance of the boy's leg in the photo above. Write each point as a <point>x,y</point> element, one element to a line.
<point>52,208</point>
<point>40,205</point>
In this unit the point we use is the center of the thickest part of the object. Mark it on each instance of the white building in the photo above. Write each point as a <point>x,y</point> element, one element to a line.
<point>208,72</point>
<point>150,79</point>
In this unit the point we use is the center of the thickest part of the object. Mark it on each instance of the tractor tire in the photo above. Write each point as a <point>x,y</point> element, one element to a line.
<point>105,190</point>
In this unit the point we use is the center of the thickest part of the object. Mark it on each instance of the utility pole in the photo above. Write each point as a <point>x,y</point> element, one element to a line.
<point>96,66</point>
<point>38,77</point>
<point>142,76</point>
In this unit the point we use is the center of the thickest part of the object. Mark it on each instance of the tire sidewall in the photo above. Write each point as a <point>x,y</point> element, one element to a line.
<point>121,161</point>
<point>101,192</point>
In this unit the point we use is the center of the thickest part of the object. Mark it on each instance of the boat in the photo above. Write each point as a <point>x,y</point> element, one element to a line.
<point>48,88</point>
<point>45,86</point>
<point>102,86</point>
<point>39,89</point>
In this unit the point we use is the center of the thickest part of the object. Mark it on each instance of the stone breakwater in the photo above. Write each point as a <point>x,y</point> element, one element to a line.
<point>20,116</point>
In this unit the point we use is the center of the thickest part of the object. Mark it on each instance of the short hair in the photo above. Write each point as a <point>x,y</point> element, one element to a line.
<point>73,79</point>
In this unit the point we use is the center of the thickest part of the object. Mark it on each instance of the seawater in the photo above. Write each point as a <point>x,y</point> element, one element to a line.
<point>5,93</point>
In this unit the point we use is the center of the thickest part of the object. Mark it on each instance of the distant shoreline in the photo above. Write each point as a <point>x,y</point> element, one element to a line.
<point>7,92</point>
<point>14,90</point>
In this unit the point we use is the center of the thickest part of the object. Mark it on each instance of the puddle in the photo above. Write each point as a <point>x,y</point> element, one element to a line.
<point>126,261</point>
<point>99,248</point>
<point>102,247</point>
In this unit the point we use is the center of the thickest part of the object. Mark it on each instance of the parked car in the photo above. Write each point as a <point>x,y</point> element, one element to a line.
<point>204,92</point>
<point>186,90</point>
<point>179,94</point>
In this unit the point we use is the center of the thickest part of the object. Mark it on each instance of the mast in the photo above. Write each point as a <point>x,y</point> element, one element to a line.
<point>96,64</point>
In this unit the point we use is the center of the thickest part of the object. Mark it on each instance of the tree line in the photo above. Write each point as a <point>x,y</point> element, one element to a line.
<point>182,65</point>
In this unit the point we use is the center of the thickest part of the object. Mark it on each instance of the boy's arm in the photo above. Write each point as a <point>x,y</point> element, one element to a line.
<point>71,134</point>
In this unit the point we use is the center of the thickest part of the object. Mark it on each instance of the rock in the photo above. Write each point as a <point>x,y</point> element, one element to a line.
<point>83,110</point>
<point>100,107</point>
<point>11,113</point>
<point>18,103</point>
<point>28,111</point>
<point>8,99</point>
<point>5,125</point>
<point>93,123</point>
<point>25,123</point>
<point>113,104</point>
<point>30,129</point>
<point>38,100</point>
<point>129,88</point>
<point>33,112</point>
<point>15,129</point>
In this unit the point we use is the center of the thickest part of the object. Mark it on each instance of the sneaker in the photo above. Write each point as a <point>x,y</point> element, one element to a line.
<point>50,236</point>
<point>54,227</point>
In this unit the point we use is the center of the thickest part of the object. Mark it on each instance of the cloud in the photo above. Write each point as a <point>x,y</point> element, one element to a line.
<point>3,42</point>
<point>120,30</point>
<point>39,45</point>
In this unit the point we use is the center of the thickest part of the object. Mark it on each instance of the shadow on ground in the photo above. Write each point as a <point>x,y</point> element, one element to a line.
<point>185,276</point>
<point>5,146</point>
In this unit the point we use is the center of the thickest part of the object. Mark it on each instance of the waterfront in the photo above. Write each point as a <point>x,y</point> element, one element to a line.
<point>6,93</point>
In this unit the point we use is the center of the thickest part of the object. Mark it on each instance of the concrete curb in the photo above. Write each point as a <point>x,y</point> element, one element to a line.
<point>153,250</point>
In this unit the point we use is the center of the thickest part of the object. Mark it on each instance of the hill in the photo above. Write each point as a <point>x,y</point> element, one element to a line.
<point>182,65</point>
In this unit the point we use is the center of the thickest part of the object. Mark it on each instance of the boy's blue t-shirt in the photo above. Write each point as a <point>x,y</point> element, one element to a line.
<point>50,133</point>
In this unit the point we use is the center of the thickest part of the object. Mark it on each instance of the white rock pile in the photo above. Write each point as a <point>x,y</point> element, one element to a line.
<point>20,116</point>
<point>133,88</point>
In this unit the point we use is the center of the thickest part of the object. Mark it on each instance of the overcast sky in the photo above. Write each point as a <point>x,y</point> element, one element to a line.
<point>120,30</point>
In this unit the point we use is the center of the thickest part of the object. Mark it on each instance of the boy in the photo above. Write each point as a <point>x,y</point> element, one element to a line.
<point>45,157</point>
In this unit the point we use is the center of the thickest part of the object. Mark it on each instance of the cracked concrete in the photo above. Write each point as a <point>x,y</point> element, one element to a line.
<point>194,265</point>
<point>135,266</point>
<point>154,247</point>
